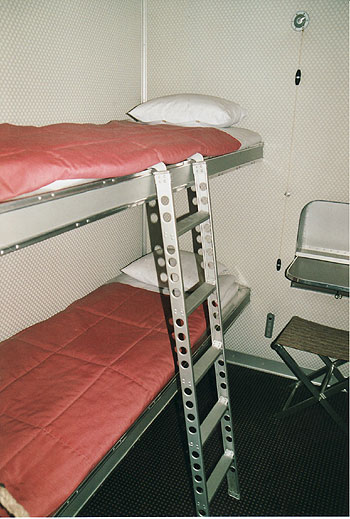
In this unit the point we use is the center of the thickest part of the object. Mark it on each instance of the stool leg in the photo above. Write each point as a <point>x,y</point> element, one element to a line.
<point>317,395</point>
<point>334,366</point>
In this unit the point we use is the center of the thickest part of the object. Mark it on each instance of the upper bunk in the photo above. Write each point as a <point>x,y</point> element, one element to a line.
<point>63,176</point>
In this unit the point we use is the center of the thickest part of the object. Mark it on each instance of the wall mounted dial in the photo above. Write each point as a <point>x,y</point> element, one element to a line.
<point>300,20</point>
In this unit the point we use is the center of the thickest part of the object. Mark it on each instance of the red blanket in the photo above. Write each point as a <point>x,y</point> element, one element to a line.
<point>72,385</point>
<point>32,157</point>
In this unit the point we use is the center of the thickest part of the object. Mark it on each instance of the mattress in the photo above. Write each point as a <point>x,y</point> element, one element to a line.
<point>32,157</point>
<point>247,138</point>
<point>71,386</point>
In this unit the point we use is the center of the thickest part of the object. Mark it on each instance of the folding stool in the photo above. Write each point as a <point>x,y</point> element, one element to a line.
<point>328,343</point>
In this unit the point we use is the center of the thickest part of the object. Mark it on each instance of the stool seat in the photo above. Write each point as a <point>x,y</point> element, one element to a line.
<point>325,342</point>
<point>304,335</point>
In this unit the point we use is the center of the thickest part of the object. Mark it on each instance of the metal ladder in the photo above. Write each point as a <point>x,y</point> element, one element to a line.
<point>182,305</point>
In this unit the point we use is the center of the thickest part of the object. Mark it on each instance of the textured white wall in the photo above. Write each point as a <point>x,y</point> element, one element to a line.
<point>69,60</point>
<point>78,61</point>
<point>246,51</point>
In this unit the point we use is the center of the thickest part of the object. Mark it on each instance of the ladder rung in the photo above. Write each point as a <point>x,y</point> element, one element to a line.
<point>190,221</point>
<point>212,419</point>
<point>205,362</point>
<point>197,297</point>
<point>219,473</point>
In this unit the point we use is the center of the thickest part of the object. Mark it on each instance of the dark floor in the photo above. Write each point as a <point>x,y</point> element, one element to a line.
<point>297,466</point>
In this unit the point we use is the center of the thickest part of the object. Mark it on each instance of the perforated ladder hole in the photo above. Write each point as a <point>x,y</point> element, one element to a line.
<point>161,262</point>
<point>214,303</point>
<point>202,186</point>
<point>195,454</point>
<point>189,404</point>
<point>192,430</point>
<point>222,374</point>
<point>227,418</point>
<point>170,249</point>
<point>184,364</point>
<point>174,278</point>
<point>180,322</point>
<point>229,439</point>
<point>188,391</point>
<point>223,386</point>
<point>198,478</point>
<point>191,417</point>
<point>204,200</point>
<point>227,428</point>
<point>181,336</point>
<point>183,350</point>
<point>167,217</point>
<point>199,490</point>
<point>172,262</point>
<point>164,200</point>
<point>221,362</point>
<point>202,513</point>
<point>176,292</point>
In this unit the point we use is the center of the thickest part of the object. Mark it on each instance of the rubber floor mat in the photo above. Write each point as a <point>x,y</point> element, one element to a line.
<point>296,466</point>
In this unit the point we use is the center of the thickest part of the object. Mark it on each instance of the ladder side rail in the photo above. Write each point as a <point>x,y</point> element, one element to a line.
<point>215,317</point>
<point>182,339</point>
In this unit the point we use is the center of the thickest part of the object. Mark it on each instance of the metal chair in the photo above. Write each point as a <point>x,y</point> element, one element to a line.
<point>321,261</point>
<point>328,343</point>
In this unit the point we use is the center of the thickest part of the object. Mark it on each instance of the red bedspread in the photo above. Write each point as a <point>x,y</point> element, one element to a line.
<point>32,157</point>
<point>72,385</point>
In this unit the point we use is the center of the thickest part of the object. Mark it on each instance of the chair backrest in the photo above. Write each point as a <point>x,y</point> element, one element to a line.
<point>321,259</point>
<point>324,231</point>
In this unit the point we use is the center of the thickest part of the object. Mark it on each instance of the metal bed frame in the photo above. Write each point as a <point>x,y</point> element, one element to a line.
<point>55,212</point>
<point>35,218</point>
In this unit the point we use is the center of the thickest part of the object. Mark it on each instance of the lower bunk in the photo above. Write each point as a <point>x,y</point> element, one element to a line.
<point>79,389</point>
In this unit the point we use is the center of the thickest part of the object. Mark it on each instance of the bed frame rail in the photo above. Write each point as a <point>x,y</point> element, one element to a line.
<point>32,219</point>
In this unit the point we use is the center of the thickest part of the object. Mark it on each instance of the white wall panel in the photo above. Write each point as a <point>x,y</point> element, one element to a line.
<point>76,61</point>
<point>69,60</point>
<point>247,51</point>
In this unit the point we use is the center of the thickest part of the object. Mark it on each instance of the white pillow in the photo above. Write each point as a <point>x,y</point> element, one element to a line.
<point>144,269</point>
<point>227,285</point>
<point>189,110</point>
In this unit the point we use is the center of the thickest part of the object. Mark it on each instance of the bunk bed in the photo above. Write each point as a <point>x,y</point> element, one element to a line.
<point>79,389</point>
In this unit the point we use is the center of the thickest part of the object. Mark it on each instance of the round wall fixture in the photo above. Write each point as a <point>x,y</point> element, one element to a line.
<point>300,20</point>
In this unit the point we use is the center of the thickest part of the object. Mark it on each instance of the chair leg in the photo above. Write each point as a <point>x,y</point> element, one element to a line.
<point>334,366</point>
<point>317,395</point>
